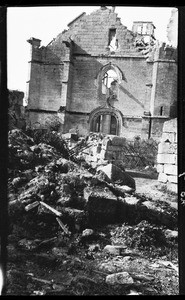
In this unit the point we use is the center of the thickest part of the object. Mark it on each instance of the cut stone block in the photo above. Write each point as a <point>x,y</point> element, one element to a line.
<point>163,177</point>
<point>167,147</point>
<point>166,158</point>
<point>169,136</point>
<point>160,168</point>
<point>170,126</point>
<point>117,175</point>
<point>170,169</point>
<point>172,178</point>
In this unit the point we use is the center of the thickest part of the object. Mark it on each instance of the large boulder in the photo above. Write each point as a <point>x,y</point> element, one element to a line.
<point>117,175</point>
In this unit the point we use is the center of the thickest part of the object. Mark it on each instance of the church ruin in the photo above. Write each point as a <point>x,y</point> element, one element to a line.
<point>98,76</point>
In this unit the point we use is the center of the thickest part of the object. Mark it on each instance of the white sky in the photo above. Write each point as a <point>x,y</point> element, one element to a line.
<point>47,22</point>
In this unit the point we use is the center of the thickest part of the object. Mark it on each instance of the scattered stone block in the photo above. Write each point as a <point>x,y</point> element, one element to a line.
<point>111,266</point>
<point>118,175</point>
<point>87,232</point>
<point>101,204</point>
<point>113,249</point>
<point>119,278</point>
<point>171,234</point>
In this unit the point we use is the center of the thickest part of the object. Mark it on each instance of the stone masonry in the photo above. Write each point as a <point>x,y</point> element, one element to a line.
<point>98,76</point>
<point>167,155</point>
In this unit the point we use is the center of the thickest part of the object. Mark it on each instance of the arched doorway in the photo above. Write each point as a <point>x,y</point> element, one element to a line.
<point>105,120</point>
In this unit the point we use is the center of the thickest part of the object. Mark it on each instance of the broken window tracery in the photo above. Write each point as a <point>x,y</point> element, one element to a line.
<point>109,82</point>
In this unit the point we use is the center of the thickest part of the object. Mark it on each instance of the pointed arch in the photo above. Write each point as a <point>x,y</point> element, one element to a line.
<point>111,66</point>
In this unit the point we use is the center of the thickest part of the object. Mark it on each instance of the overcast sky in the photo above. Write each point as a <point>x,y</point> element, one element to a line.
<point>46,23</point>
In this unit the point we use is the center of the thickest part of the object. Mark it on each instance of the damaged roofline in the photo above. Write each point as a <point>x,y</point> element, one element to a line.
<point>82,14</point>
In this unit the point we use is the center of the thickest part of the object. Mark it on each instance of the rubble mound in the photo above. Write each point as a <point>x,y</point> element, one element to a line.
<point>62,216</point>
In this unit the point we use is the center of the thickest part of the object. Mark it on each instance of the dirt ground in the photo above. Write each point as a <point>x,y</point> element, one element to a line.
<point>152,188</point>
<point>80,266</point>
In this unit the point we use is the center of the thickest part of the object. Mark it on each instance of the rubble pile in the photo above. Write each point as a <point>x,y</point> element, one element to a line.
<point>40,174</point>
<point>59,205</point>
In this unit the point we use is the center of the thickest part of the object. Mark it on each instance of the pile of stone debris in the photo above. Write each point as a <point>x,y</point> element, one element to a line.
<point>53,199</point>
<point>41,179</point>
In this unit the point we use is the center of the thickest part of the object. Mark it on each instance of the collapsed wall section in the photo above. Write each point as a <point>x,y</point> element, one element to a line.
<point>16,110</point>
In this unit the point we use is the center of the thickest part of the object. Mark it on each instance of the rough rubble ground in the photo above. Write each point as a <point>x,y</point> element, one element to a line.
<point>82,258</point>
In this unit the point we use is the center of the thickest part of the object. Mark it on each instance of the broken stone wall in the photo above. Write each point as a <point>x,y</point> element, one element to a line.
<point>16,110</point>
<point>167,155</point>
<point>103,149</point>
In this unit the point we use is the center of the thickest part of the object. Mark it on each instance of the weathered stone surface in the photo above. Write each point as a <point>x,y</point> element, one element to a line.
<point>75,218</point>
<point>163,158</point>
<point>169,136</point>
<point>124,188</point>
<point>16,110</point>
<point>87,232</point>
<point>160,168</point>
<point>118,175</point>
<point>170,126</point>
<point>119,278</point>
<point>113,249</point>
<point>173,187</point>
<point>111,266</point>
<point>167,147</point>
<point>101,205</point>
<point>163,177</point>
<point>132,200</point>
<point>171,234</point>
<point>170,169</point>
<point>173,178</point>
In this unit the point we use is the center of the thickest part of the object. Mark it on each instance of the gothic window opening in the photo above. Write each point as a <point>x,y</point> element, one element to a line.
<point>109,80</point>
<point>113,42</point>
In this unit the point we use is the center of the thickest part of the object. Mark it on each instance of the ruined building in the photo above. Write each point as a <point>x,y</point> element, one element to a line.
<point>98,76</point>
<point>16,110</point>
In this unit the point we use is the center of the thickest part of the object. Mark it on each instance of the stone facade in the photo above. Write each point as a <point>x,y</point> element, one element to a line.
<point>167,155</point>
<point>99,76</point>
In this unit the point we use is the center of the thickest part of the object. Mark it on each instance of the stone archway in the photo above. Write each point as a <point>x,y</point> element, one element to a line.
<point>106,120</point>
